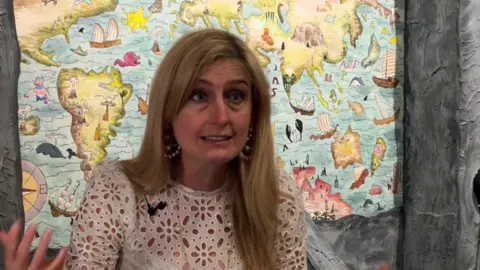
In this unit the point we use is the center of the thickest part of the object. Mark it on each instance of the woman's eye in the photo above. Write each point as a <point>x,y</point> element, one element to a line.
<point>199,96</point>
<point>237,97</point>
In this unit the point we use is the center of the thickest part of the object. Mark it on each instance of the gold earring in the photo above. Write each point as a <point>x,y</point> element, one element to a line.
<point>171,148</point>
<point>245,154</point>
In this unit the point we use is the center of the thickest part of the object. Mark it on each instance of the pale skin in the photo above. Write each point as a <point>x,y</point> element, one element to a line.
<point>17,255</point>
<point>211,129</point>
<point>220,104</point>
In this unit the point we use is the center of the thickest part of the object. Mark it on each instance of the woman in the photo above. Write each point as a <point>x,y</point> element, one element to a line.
<point>204,191</point>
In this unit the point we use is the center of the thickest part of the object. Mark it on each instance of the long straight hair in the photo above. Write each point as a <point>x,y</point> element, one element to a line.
<point>256,191</point>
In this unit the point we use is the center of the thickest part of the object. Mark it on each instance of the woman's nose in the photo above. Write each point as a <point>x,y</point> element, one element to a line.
<point>219,111</point>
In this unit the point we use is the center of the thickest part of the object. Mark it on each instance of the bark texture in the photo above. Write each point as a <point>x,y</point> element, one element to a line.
<point>11,205</point>
<point>442,138</point>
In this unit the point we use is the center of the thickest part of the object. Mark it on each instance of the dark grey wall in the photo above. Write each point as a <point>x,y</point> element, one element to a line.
<point>11,206</point>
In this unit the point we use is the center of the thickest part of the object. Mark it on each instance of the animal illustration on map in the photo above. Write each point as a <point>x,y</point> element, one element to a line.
<point>130,59</point>
<point>40,90</point>
<point>360,174</point>
<point>136,20</point>
<point>49,149</point>
<point>356,81</point>
<point>296,134</point>
<point>71,153</point>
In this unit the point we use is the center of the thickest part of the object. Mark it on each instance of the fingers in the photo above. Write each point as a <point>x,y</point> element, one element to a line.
<point>41,250</point>
<point>59,260</point>
<point>23,250</point>
<point>11,241</point>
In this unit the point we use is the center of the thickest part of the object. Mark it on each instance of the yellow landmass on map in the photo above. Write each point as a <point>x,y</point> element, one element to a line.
<point>307,26</point>
<point>346,149</point>
<point>316,33</point>
<point>96,102</point>
<point>225,11</point>
<point>37,22</point>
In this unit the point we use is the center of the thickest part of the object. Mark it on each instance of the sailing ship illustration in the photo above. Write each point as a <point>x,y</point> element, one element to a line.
<point>101,40</point>
<point>306,106</point>
<point>385,119</point>
<point>61,205</point>
<point>388,79</point>
<point>142,103</point>
<point>325,125</point>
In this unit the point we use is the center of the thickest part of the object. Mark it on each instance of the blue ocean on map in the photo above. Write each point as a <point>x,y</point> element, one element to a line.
<point>301,151</point>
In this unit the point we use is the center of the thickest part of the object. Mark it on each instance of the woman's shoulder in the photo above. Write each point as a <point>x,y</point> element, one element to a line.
<point>287,184</point>
<point>110,174</point>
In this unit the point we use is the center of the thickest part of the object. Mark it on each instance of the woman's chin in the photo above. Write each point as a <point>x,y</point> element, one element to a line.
<point>219,157</point>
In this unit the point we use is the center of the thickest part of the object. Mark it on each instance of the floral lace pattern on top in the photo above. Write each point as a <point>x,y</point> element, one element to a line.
<point>113,229</point>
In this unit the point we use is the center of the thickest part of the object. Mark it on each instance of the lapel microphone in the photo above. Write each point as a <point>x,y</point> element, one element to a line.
<point>153,209</point>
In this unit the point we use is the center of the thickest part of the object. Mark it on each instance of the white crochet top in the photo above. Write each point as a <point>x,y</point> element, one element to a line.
<point>113,229</point>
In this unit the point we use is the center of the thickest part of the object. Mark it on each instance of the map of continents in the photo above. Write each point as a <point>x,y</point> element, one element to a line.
<point>336,87</point>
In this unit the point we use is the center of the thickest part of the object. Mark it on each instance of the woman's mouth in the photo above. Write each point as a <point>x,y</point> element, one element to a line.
<point>216,138</point>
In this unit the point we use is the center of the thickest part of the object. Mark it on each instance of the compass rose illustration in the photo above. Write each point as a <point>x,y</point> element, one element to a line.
<point>34,190</point>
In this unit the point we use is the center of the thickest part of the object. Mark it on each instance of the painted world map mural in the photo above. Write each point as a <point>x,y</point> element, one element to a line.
<point>336,74</point>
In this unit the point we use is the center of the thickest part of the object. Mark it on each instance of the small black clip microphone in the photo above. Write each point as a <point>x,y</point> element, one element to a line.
<point>152,210</point>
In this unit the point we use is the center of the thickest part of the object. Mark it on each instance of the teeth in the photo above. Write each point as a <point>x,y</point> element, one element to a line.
<point>216,138</point>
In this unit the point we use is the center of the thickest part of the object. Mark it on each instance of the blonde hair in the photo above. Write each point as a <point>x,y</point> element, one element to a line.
<point>256,192</point>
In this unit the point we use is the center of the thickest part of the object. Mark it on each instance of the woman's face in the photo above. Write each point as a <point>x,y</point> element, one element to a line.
<point>213,125</point>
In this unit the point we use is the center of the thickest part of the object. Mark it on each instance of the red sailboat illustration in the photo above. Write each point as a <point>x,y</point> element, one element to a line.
<point>385,119</point>
<point>101,40</point>
<point>325,125</point>
<point>388,79</point>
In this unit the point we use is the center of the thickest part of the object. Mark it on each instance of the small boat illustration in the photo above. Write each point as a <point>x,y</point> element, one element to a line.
<point>306,106</point>
<point>156,48</point>
<point>79,51</point>
<point>325,125</point>
<point>388,79</point>
<point>61,206</point>
<point>385,119</point>
<point>101,40</point>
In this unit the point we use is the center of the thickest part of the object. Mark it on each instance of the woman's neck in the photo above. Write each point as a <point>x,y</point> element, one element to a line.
<point>202,178</point>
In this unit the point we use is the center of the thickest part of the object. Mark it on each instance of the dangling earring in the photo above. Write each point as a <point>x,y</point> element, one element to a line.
<point>171,146</point>
<point>245,153</point>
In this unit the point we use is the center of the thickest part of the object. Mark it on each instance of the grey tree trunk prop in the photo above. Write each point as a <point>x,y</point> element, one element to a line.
<point>442,138</point>
<point>11,202</point>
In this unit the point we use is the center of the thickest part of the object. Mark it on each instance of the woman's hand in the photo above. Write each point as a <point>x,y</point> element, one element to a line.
<point>17,254</point>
